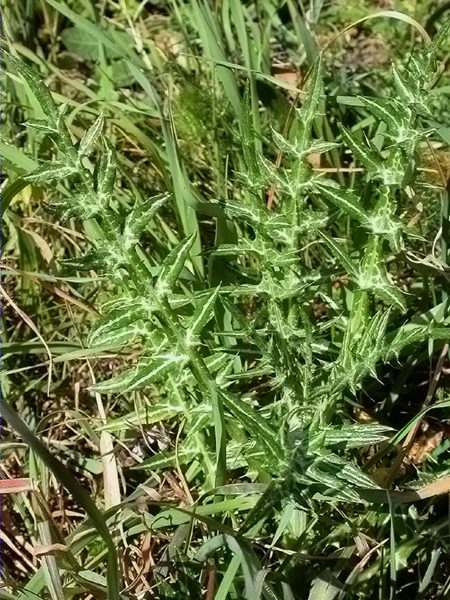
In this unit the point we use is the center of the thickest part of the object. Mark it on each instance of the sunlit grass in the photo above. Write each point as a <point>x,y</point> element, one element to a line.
<point>245,305</point>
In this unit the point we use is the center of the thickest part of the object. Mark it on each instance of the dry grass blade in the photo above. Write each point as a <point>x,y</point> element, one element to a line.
<point>382,14</point>
<point>72,485</point>
<point>33,327</point>
<point>110,472</point>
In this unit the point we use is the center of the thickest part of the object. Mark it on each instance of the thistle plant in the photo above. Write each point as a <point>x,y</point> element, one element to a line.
<point>221,337</point>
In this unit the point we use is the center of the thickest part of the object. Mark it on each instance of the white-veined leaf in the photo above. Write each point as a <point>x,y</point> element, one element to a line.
<point>116,325</point>
<point>342,257</point>
<point>347,472</point>
<point>152,413</point>
<point>202,315</point>
<point>391,295</point>
<point>309,109</point>
<point>91,136</point>
<point>403,88</point>
<point>164,460</point>
<point>346,200</point>
<point>140,218</point>
<point>254,424</point>
<point>38,89</point>
<point>50,171</point>
<point>106,175</point>
<point>337,489</point>
<point>362,151</point>
<point>173,265</point>
<point>320,147</point>
<point>141,375</point>
<point>372,339</point>
<point>119,336</point>
<point>357,435</point>
<point>412,333</point>
<point>384,110</point>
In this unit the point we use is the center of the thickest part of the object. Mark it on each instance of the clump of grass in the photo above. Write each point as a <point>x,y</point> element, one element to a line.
<point>262,309</point>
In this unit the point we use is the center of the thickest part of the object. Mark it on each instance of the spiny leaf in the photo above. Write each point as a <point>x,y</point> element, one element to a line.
<point>403,87</point>
<point>364,152</point>
<point>310,106</point>
<point>344,199</point>
<point>385,111</point>
<point>320,147</point>
<point>118,327</point>
<point>50,171</point>
<point>173,265</point>
<point>143,374</point>
<point>442,37</point>
<point>202,315</point>
<point>39,90</point>
<point>372,339</point>
<point>106,174</point>
<point>391,295</point>
<point>412,333</point>
<point>342,257</point>
<point>164,460</point>
<point>254,424</point>
<point>347,472</point>
<point>140,218</point>
<point>91,136</point>
<point>152,413</point>
<point>337,490</point>
<point>357,435</point>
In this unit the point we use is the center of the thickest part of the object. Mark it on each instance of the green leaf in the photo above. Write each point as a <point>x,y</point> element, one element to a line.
<point>116,333</point>
<point>348,472</point>
<point>255,424</point>
<point>391,295</point>
<point>173,265</point>
<point>412,333</point>
<point>124,316</point>
<point>403,88</point>
<point>344,199</point>
<point>164,460</point>
<point>357,435</point>
<point>38,89</point>
<point>202,315</point>
<point>310,106</point>
<point>106,175</point>
<point>85,44</point>
<point>91,136</point>
<point>152,413</point>
<point>140,219</point>
<point>385,110</point>
<point>142,375</point>
<point>342,256</point>
<point>17,157</point>
<point>363,152</point>
<point>342,480</point>
<point>50,171</point>
<point>321,147</point>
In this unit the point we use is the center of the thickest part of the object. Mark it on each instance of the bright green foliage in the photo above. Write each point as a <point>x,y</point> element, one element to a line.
<point>218,330</point>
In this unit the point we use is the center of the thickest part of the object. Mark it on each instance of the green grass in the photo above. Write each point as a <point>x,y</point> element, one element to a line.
<point>225,301</point>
